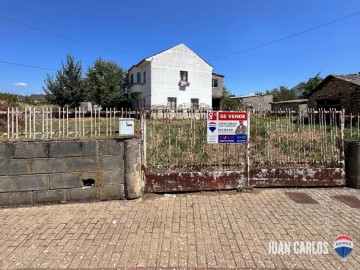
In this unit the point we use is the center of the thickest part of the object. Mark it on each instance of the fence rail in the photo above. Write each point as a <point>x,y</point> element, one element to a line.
<point>33,123</point>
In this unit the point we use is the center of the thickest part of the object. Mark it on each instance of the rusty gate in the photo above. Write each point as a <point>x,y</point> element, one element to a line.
<point>286,148</point>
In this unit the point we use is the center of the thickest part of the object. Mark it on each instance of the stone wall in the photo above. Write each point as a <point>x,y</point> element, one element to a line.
<point>294,106</point>
<point>335,88</point>
<point>62,171</point>
<point>258,102</point>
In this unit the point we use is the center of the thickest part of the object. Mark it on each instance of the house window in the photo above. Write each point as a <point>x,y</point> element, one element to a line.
<point>184,78</point>
<point>214,82</point>
<point>195,103</point>
<point>144,80</point>
<point>131,78</point>
<point>171,103</point>
<point>138,77</point>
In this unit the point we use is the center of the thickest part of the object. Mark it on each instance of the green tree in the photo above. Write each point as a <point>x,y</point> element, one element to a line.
<point>106,84</point>
<point>303,89</point>
<point>68,86</point>
<point>230,103</point>
<point>8,100</point>
<point>282,93</point>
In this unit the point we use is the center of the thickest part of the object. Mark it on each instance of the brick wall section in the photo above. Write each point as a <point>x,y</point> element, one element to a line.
<point>335,88</point>
<point>53,172</point>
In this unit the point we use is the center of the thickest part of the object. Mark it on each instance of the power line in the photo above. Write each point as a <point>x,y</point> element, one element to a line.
<point>286,37</point>
<point>212,59</point>
<point>64,37</point>
<point>23,65</point>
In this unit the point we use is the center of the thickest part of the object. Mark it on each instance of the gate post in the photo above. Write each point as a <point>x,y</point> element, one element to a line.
<point>132,169</point>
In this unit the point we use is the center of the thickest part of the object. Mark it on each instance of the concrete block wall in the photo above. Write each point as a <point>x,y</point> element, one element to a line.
<point>62,171</point>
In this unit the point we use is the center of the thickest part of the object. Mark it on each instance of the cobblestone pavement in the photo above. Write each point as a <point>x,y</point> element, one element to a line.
<point>195,230</point>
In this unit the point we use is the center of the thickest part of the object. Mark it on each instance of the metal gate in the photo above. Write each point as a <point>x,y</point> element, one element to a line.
<point>286,148</point>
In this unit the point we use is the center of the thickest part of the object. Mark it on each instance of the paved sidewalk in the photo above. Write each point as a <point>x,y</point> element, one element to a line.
<point>194,230</point>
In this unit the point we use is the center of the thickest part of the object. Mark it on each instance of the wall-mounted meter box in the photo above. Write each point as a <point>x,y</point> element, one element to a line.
<point>126,126</point>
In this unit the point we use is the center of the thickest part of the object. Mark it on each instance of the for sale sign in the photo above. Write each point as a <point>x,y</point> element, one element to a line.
<point>227,127</point>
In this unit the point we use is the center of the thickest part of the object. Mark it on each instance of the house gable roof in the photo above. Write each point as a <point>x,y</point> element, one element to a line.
<point>351,78</point>
<point>149,58</point>
<point>217,75</point>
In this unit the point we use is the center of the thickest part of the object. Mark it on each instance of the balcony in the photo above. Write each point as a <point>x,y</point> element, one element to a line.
<point>136,88</point>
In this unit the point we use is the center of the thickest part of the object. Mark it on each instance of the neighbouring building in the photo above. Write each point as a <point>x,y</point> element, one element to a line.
<point>337,92</point>
<point>217,91</point>
<point>175,79</point>
<point>258,102</point>
<point>293,105</point>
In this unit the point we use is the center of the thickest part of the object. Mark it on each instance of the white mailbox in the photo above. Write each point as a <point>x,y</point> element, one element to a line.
<point>126,126</point>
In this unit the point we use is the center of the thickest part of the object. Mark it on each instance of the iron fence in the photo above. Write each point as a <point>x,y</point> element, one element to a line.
<point>33,123</point>
<point>175,141</point>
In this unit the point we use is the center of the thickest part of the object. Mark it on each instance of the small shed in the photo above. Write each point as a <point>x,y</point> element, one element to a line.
<point>258,102</point>
<point>337,92</point>
<point>293,105</point>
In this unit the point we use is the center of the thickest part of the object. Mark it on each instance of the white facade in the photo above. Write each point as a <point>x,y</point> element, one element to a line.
<point>156,81</point>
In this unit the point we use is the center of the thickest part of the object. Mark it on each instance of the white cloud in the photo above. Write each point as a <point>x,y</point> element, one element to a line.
<point>20,84</point>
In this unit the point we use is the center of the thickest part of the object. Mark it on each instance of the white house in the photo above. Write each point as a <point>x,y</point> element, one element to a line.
<point>175,78</point>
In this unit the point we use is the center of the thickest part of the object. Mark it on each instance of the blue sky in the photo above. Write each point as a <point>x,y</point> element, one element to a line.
<point>128,31</point>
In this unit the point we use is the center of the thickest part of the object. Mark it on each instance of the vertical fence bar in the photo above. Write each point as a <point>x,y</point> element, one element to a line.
<point>91,121</point>
<point>34,123</point>
<point>43,123</point>
<point>83,122</point>
<point>63,122</point>
<point>30,123</point>
<point>8,122</point>
<point>248,149</point>
<point>47,122</point>
<point>75,127</point>
<point>26,123</point>
<point>59,121</point>
<point>95,130</point>
<point>342,146</point>
<point>17,123</point>
<point>67,122</point>
<point>106,122</point>
<point>12,122</point>
<point>111,122</point>
<point>51,122</point>
<point>144,139</point>
<point>99,121</point>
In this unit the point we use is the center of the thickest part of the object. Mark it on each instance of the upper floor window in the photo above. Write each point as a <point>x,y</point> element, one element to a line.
<point>131,78</point>
<point>184,78</point>
<point>138,77</point>
<point>144,80</point>
<point>214,82</point>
